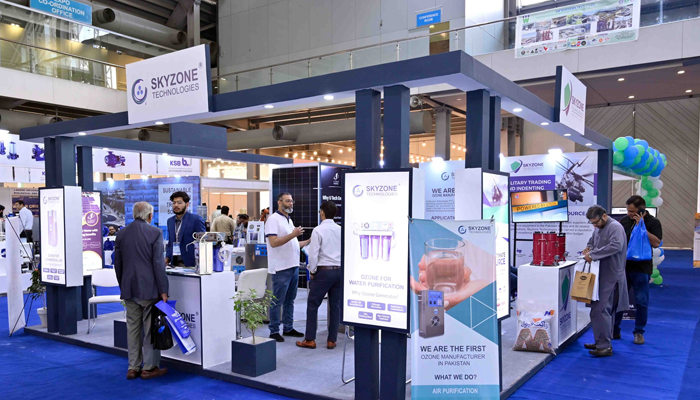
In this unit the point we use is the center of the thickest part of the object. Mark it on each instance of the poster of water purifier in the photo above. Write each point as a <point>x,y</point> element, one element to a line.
<point>375,258</point>
<point>61,260</point>
<point>454,326</point>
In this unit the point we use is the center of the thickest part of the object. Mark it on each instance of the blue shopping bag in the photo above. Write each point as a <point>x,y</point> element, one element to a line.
<point>639,248</point>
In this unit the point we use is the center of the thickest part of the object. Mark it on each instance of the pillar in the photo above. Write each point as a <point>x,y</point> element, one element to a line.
<point>253,198</point>
<point>478,106</point>
<point>494,133</point>
<point>193,23</point>
<point>368,125</point>
<point>85,181</point>
<point>605,166</point>
<point>443,132</point>
<point>397,128</point>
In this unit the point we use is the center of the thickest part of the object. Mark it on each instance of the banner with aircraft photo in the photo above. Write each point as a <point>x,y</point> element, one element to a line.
<point>574,172</point>
<point>578,26</point>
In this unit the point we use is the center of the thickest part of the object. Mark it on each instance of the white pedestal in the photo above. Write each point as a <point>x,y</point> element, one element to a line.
<point>549,289</point>
<point>206,306</point>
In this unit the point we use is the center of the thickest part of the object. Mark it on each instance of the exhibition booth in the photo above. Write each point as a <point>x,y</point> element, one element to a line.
<point>425,251</point>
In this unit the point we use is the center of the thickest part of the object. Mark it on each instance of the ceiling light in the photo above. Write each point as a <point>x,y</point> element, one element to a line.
<point>328,97</point>
<point>454,146</point>
<point>340,151</point>
<point>218,159</point>
<point>688,91</point>
<point>303,157</point>
<point>438,159</point>
<point>110,179</point>
<point>567,134</point>
<point>228,162</point>
<point>459,99</point>
<point>311,158</point>
<point>303,153</point>
<point>382,147</point>
<point>295,155</point>
<point>159,122</point>
<point>517,109</point>
<point>349,149</point>
<point>268,106</point>
<point>381,155</point>
<point>326,160</point>
<point>333,160</point>
<point>460,159</point>
<point>353,164</point>
<point>223,79</point>
<point>464,149</point>
<point>431,26</point>
<point>144,177</point>
<point>82,133</point>
<point>423,144</point>
<point>681,72</point>
<point>166,154</point>
<point>286,154</point>
<point>544,123</point>
<point>589,144</point>
<point>555,151</point>
<point>631,97</point>
<point>346,163</point>
<point>459,148</point>
<point>328,152</point>
<point>315,153</point>
<point>620,79</point>
<point>381,163</point>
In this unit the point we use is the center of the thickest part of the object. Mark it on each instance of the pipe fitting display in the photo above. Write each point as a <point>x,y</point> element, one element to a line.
<point>112,160</point>
<point>38,153</point>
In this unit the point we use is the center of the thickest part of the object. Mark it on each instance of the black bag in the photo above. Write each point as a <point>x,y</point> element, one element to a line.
<point>161,336</point>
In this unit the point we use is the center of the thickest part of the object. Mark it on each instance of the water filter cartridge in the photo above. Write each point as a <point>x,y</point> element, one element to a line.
<point>364,246</point>
<point>386,247</point>
<point>53,228</point>
<point>375,247</point>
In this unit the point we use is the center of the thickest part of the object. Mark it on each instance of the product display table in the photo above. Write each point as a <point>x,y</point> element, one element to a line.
<point>549,289</point>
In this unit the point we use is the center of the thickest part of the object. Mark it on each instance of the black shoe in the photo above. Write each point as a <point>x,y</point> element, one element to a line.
<point>601,352</point>
<point>617,336</point>
<point>293,333</point>
<point>589,346</point>
<point>277,337</point>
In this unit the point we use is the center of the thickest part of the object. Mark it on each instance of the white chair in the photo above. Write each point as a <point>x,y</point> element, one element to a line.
<point>251,279</point>
<point>105,277</point>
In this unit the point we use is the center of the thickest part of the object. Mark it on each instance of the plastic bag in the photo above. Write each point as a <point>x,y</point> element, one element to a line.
<point>180,330</point>
<point>534,332</point>
<point>161,335</point>
<point>639,248</point>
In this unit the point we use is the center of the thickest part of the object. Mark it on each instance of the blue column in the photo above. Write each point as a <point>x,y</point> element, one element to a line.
<point>605,166</point>
<point>478,106</point>
<point>85,176</point>
<point>495,133</point>
<point>396,126</point>
<point>393,368</point>
<point>368,127</point>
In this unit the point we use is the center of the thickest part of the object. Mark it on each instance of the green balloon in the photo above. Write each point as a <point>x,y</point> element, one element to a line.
<point>640,148</point>
<point>621,143</point>
<point>636,160</point>
<point>647,199</point>
<point>649,161</point>
<point>665,162</point>
<point>653,192</point>
<point>659,280</point>
<point>618,157</point>
<point>655,273</point>
<point>646,184</point>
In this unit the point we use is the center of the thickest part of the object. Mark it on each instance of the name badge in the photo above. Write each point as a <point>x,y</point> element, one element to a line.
<point>176,249</point>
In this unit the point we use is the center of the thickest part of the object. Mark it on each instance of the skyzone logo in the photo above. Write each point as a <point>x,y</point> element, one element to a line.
<point>446,175</point>
<point>52,199</point>
<point>376,190</point>
<point>570,99</point>
<point>479,229</point>
<point>517,165</point>
<point>139,92</point>
<point>462,230</point>
<point>357,191</point>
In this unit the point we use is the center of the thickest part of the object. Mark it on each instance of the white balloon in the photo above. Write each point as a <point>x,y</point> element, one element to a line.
<point>658,185</point>
<point>657,201</point>
<point>655,260</point>
<point>643,192</point>
<point>661,259</point>
<point>656,252</point>
<point>653,178</point>
<point>637,185</point>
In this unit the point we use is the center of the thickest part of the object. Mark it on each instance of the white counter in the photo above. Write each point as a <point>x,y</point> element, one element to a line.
<point>205,304</point>
<point>547,289</point>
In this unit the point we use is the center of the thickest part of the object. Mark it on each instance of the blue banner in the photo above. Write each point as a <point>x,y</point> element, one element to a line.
<point>69,9</point>
<point>426,18</point>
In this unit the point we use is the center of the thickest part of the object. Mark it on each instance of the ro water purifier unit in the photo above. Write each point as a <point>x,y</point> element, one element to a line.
<point>37,153</point>
<point>431,314</point>
<point>112,160</point>
<point>53,228</point>
<point>376,239</point>
<point>12,154</point>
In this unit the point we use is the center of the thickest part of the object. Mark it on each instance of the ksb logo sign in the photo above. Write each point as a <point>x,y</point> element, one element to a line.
<point>180,163</point>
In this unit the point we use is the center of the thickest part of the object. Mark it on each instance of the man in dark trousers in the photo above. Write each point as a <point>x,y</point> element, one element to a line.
<point>639,272</point>
<point>181,226</point>
<point>140,269</point>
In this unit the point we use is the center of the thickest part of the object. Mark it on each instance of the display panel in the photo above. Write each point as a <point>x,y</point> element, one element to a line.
<point>496,205</point>
<point>375,251</point>
<point>92,232</point>
<point>540,206</point>
<point>302,184</point>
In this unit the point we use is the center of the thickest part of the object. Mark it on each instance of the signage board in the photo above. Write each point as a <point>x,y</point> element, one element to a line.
<point>332,190</point>
<point>429,18</point>
<point>123,162</point>
<point>577,26</point>
<point>37,175</point>
<point>440,189</point>
<point>570,100</point>
<point>169,86</point>
<point>375,249</point>
<point>61,259</point>
<point>184,166</point>
<point>18,153</point>
<point>92,232</point>
<point>68,9</point>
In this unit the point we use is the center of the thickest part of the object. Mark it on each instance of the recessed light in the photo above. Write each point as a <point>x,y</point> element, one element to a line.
<point>166,154</point>
<point>589,144</point>
<point>631,97</point>
<point>218,159</point>
<point>340,151</point>
<point>431,26</point>
<point>328,152</point>
<point>82,133</point>
<point>286,154</point>
<point>315,153</point>
<point>681,72</point>
<point>423,144</point>
<point>349,149</point>
<point>328,97</point>
<point>517,109</point>
<point>620,79</point>
<point>223,79</point>
<point>268,106</point>
<point>688,91</point>
<point>567,134</point>
<point>555,151</point>
<point>459,99</point>
<point>544,123</point>
<point>159,122</point>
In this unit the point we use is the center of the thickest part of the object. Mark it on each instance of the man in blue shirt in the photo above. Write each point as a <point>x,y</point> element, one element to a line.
<point>181,226</point>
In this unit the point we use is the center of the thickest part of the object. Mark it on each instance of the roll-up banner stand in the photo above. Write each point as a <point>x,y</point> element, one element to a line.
<point>61,211</point>
<point>93,255</point>
<point>375,246</point>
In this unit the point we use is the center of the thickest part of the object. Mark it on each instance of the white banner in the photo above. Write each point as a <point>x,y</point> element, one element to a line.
<point>165,206</point>
<point>440,189</point>
<point>37,175</point>
<point>578,26</point>
<point>20,154</point>
<point>168,86</point>
<point>375,260</point>
<point>571,101</point>
<point>6,174</point>
<point>184,166</point>
<point>123,162</point>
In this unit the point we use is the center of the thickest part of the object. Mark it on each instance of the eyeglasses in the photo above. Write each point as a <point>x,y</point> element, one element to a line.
<point>594,222</point>
<point>288,201</point>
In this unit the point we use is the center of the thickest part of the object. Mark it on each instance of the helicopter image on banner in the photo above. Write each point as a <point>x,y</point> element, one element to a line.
<point>573,182</point>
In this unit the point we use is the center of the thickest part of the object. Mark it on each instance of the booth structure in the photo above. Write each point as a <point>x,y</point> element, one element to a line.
<point>376,377</point>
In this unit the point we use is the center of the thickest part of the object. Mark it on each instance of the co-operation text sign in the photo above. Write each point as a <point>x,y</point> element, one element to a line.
<point>69,9</point>
<point>430,17</point>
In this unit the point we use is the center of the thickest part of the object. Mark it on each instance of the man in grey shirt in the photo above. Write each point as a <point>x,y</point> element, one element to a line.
<point>609,246</point>
<point>140,269</point>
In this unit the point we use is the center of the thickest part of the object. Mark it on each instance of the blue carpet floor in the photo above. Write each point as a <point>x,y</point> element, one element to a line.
<point>37,368</point>
<point>666,367</point>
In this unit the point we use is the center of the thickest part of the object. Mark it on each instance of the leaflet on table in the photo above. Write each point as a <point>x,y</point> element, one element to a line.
<point>454,324</point>
<point>576,173</point>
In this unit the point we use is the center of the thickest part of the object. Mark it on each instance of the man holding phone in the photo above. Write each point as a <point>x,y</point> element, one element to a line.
<point>639,272</point>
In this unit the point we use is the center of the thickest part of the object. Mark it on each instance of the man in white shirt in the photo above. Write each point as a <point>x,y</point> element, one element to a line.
<point>26,218</point>
<point>324,265</point>
<point>283,252</point>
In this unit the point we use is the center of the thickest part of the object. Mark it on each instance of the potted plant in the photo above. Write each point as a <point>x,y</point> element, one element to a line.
<point>37,291</point>
<point>253,356</point>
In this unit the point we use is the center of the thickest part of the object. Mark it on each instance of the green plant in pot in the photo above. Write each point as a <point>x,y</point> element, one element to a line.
<point>37,291</point>
<point>252,308</point>
<point>249,356</point>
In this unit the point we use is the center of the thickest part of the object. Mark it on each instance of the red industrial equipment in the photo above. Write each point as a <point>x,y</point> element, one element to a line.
<point>561,249</point>
<point>545,249</point>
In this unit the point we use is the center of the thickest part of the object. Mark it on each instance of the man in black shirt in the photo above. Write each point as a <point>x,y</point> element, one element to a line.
<point>639,272</point>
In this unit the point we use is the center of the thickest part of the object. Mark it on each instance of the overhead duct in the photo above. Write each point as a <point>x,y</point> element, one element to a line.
<point>127,24</point>
<point>322,132</point>
<point>13,121</point>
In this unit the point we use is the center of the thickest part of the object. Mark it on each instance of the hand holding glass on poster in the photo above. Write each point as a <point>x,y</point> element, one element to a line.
<point>451,266</point>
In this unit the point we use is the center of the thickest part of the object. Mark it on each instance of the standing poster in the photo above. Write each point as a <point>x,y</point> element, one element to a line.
<point>92,232</point>
<point>578,26</point>
<point>53,250</point>
<point>331,189</point>
<point>575,172</point>
<point>454,327</point>
<point>30,197</point>
<point>375,251</point>
<point>165,206</point>
<point>496,205</point>
<point>440,189</point>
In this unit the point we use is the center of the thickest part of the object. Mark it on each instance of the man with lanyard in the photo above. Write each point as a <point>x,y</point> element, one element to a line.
<point>283,256</point>
<point>181,226</point>
<point>639,272</point>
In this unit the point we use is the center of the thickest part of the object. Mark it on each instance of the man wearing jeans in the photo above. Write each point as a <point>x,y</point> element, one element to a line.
<point>283,252</point>
<point>638,272</point>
